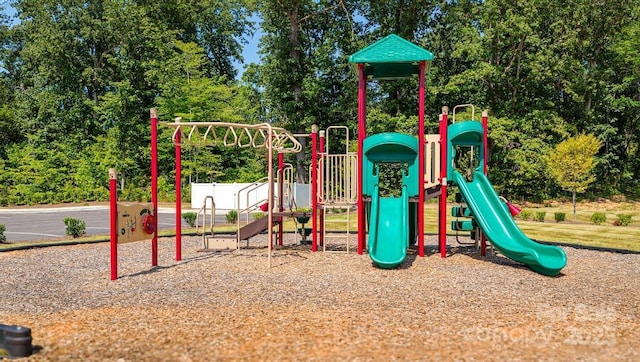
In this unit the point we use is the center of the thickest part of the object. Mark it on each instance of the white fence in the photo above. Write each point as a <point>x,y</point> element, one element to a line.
<point>225,195</point>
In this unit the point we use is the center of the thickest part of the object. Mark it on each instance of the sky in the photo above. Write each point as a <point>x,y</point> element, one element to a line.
<point>250,51</point>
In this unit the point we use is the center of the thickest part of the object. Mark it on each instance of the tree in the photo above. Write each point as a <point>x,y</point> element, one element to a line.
<point>301,38</point>
<point>571,163</point>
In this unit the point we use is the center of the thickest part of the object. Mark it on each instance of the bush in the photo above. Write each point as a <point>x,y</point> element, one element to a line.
<point>190,218</point>
<point>559,216</point>
<point>75,227</point>
<point>232,217</point>
<point>2,237</point>
<point>258,215</point>
<point>539,216</point>
<point>623,220</point>
<point>598,218</point>
<point>525,215</point>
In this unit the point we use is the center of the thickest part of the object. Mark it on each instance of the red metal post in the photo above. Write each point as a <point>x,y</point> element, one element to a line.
<point>442,206</point>
<point>154,184</point>
<point>178,197</point>
<point>321,181</point>
<point>485,150</point>
<point>280,195</point>
<point>362,133</point>
<point>314,188</point>
<point>421,159</point>
<point>113,213</point>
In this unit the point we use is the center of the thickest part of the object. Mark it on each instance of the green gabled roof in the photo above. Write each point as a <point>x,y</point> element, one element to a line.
<point>391,57</point>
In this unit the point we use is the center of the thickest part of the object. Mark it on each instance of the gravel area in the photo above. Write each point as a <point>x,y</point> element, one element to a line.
<point>318,306</point>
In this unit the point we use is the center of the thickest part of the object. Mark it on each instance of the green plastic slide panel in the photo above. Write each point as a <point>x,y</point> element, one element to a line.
<point>502,231</point>
<point>388,229</point>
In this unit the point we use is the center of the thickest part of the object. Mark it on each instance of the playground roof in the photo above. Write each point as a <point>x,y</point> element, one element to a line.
<point>391,57</point>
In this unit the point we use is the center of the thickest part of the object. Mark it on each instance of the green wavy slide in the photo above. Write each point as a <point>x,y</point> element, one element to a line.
<point>504,234</point>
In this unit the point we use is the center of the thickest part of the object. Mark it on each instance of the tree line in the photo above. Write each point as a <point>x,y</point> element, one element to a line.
<point>79,77</point>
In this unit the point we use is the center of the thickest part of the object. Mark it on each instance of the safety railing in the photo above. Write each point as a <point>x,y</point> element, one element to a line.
<point>203,211</point>
<point>288,192</point>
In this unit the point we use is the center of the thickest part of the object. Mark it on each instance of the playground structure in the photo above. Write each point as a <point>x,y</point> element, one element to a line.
<point>427,165</point>
<point>392,219</point>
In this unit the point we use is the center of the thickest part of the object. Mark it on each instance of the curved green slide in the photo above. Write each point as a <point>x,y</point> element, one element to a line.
<point>388,229</point>
<point>504,234</point>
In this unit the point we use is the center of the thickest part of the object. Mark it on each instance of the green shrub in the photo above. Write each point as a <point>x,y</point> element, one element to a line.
<point>598,217</point>
<point>75,227</point>
<point>525,215</point>
<point>623,220</point>
<point>539,216</point>
<point>232,217</point>
<point>559,216</point>
<point>190,218</point>
<point>258,215</point>
<point>2,237</point>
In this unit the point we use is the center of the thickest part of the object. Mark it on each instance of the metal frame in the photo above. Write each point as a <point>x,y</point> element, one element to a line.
<point>262,135</point>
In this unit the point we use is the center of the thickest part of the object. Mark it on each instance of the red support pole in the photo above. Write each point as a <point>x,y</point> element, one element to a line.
<point>154,184</point>
<point>280,195</point>
<point>314,188</point>
<point>321,181</point>
<point>178,197</point>
<point>485,150</point>
<point>421,159</point>
<point>442,206</point>
<point>362,134</point>
<point>113,214</point>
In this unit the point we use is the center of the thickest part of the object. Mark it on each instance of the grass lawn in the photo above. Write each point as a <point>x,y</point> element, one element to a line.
<point>581,231</point>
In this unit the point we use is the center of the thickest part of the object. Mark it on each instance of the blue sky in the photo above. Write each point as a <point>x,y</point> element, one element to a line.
<point>250,51</point>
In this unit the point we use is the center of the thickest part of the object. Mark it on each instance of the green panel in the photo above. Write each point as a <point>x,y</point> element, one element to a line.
<point>461,211</point>
<point>390,148</point>
<point>465,133</point>
<point>465,225</point>
<point>502,231</point>
<point>391,57</point>
<point>388,229</point>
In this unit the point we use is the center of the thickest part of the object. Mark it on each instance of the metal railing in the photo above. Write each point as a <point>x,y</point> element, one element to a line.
<point>203,211</point>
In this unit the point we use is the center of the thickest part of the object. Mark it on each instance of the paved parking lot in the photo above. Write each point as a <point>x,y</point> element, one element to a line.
<point>31,224</point>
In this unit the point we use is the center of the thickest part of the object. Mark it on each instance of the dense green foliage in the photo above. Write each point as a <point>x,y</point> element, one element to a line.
<point>598,217</point>
<point>623,220</point>
<point>190,218</point>
<point>75,227</point>
<point>78,79</point>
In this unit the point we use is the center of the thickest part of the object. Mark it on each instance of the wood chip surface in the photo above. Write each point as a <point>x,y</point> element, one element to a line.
<point>318,306</point>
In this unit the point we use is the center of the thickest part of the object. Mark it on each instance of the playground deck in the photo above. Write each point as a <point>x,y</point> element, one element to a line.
<point>323,306</point>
